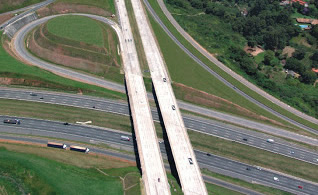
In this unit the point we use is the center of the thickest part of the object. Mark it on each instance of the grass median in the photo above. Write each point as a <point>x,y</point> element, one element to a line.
<point>180,67</point>
<point>199,141</point>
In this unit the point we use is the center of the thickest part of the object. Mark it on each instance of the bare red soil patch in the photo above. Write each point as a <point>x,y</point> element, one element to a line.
<point>254,51</point>
<point>5,17</point>
<point>63,8</point>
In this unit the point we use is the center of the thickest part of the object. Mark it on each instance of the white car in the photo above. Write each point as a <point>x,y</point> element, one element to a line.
<point>270,140</point>
<point>276,179</point>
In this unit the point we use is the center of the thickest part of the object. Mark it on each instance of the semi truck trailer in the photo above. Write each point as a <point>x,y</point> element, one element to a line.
<point>79,149</point>
<point>56,145</point>
<point>12,121</point>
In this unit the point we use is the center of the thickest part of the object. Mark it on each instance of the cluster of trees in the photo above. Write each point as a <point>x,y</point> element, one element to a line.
<point>309,11</point>
<point>265,23</point>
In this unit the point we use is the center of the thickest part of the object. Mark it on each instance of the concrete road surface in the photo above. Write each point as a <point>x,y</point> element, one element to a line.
<point>214,163</point>
<point>210,127</point>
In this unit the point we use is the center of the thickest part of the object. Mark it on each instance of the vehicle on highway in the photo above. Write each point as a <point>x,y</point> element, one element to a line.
<point>164,80</point>
<point>292,152</point>
<point>160,142</point>
<point>12,121</point>
<point>41,98</point>
<point>245,139</point>
<point>173,107</point>
<point>66,123</point>
<point>247,168</point>
<point>33,94</point>
<point>79,149</point>
<point>125,138</point>
<point>56,145</point>
<point>190,161</point>
<point>270,140</point>
<point>208,154</point>
<point>300,187</point>
<point>258,168</point>
<point>276,179</point>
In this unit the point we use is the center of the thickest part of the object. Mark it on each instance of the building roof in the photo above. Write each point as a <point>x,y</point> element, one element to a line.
<point>299,1</point>
<point>315,70</point>
<point>307,21</point>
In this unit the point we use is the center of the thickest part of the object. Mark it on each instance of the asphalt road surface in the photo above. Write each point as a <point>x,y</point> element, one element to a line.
<point>214,163</point>
<point>21,50</point>
<point>258,90</point>
<point>29,9</point>
<point>198,124</point>
<point>129,158</point>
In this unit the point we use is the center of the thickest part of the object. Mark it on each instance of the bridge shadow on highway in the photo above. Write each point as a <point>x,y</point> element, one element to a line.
<point>168,151</point>
<point>133,133</point>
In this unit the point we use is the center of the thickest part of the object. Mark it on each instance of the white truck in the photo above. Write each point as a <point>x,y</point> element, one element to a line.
<point>270,140</point>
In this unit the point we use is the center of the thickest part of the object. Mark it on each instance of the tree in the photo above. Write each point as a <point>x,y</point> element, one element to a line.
<point>299,55</point>
<point>314,31</point>
<point>268,57</point>
<point>295,65</point>
<point>309,77</point>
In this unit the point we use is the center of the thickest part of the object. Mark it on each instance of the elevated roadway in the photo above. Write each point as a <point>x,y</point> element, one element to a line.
<point>27,57</point>
<point>214,163</point>
<point>209,127</point>
<point>186,164</point>
<point>228,71</point>
<point>153,171</point>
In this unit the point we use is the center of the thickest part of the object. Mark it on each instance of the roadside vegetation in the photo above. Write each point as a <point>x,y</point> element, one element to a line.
<point>243,88</point>
<point>199,141</point>
<point>9,5</point>
<point>29,169</point>
<point>233,28</point>
<point>14,72</point>
<point>79,43</point>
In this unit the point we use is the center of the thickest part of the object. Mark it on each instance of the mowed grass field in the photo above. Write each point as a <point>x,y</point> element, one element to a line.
<point>107,5</point>
<point>13,69</point>
<point>184,70</point>
<point>77,28</point>
<point>28,169</point>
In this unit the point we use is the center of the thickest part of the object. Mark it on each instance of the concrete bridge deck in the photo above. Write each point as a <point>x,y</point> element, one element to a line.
<point>184,157</point>
<point>153,171</point>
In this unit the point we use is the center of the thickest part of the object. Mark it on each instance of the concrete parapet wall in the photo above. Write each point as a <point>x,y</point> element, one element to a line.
<point>12,28</point>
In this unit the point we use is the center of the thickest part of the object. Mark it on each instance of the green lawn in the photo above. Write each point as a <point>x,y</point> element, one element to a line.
<point>33,174</point>
<point>107,5</point>
<point>6,6</point>
<point>204,81</point>
<point>69,27</point>
<point>12,68</point>
<point>218,190</point>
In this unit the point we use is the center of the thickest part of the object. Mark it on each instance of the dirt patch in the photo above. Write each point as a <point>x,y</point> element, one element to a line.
<point>63,8</point>
<point>254,51</point>
<point>5,17</point>
<point>202,98</point>
<point>289,51</point>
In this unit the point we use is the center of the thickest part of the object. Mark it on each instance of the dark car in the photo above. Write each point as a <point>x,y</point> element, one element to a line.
<point>300,187</point>
<point>247,168</point>
<point>208,154</point>
<point>66,124</point>
<point>33,94</point>
<point>245,139</point>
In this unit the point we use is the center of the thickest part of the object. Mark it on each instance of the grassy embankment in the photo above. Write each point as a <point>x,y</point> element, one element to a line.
<point>93,50</point>
<point>203,84</point>
<point>20,74</point>
<point>200,141</point>
<point>10,5</point>
<point>32,169</point>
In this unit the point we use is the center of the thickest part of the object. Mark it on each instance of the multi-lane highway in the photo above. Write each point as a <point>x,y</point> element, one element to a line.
<point>27,139</point>
<point>234,75</point>
<point>209,127</point>
<point>24,54</point>
<point>214,163</point>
